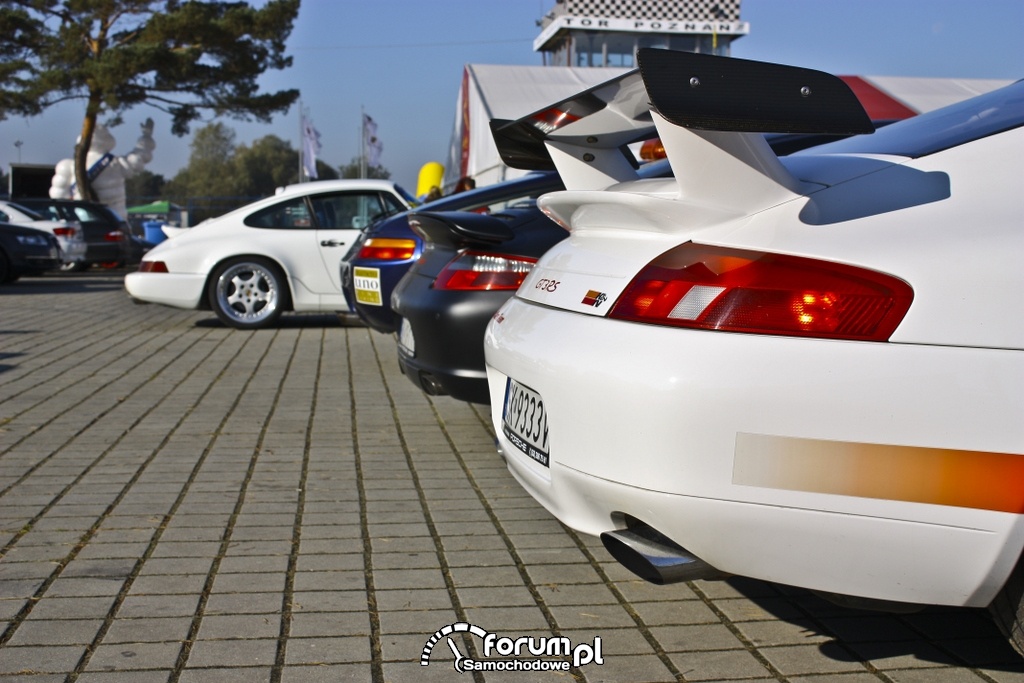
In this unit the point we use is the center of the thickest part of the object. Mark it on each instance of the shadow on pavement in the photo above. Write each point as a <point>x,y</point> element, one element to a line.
<point>66,283</point>
<point>295,321</point>
<point>942,635</point>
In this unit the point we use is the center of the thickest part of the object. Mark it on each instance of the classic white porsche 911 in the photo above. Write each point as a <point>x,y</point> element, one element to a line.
<point>279,253</point>
<point>806,369</point>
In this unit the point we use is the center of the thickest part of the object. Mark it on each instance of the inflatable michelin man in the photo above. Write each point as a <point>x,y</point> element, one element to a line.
<point>107,172</point>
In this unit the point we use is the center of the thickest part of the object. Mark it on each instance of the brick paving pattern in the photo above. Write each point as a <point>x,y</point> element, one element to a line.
<point>182,502</point>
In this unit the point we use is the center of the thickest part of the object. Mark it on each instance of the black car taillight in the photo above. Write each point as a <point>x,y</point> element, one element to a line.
<point>472,270</point>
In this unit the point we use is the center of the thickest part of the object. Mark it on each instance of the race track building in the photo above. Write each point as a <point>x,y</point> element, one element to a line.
<point>582,43</point>
<point>603,33</point>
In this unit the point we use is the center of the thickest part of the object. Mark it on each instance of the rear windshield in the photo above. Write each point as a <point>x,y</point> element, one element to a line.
<point>941,129</point>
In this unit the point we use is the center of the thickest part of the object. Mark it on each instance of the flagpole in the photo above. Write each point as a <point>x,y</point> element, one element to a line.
<point>302,145</point>
<point>362,142</point>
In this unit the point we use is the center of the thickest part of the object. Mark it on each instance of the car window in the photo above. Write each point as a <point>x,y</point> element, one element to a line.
<point>288,214</point>
<point>521,201</point>
<point>4,217</point>
<point>48,211</point>
<point>348,210</point>
<point>84,213</point>
<point>34,215</point>
<point>395,206</point>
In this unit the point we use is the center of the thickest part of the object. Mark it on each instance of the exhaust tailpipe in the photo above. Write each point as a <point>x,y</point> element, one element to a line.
<point>654,557</point>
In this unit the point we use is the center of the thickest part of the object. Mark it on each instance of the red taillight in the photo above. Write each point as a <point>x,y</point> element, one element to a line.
<point>64,232</point>
<point>552,119</point>
<point>733,290</point>
<point>114,236</point>
<point>387,249</point>
<point>153,267</point>
<point>475,270</point>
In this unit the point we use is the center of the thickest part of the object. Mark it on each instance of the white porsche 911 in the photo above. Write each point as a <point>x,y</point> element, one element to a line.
<point>805,369</point>
<point>280,253</point>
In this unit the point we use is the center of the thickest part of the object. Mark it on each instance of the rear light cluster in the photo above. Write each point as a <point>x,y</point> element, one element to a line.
<point>550,120</point>
<point>734,290</point>
<point>68,232</point>
<point>472,270</point>
<point>114,236</point>
<point>388,249</point>
<point>153,267</point>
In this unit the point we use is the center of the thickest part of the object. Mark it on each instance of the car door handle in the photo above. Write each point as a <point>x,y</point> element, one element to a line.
<point>331,243</point>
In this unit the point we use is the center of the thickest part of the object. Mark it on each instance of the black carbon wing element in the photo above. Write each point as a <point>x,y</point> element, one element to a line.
<point>706,92</point>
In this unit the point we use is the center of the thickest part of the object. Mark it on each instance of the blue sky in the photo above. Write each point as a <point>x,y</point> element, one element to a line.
<point>401,62</point>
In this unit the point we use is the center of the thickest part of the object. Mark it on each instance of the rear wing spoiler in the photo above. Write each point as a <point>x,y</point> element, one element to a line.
<point>710,113</point>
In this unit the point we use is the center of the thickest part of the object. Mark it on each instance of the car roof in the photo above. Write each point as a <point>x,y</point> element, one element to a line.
<point>314,186</point>
<point>934,131</point>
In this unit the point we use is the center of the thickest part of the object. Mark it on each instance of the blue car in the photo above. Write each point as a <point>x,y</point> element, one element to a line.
<point>388,248</point>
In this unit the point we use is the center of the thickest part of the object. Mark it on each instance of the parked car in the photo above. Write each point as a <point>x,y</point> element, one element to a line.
<point>471,263</point>
<point>806,370</point>
<point>277,254</point>
<point>386,250</point>
<point>68,234</point>
<point>107,237</point>
<point>26,251</point>
<point>468,266</point>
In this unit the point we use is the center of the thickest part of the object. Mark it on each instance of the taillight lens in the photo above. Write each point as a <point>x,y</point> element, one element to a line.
<point>734,290</point>
<point>476,270</point>
<point>64,232</point>
<point>153,267</point>
<point>552,119</point>
<point>114,236</point>
<point>387,249</point>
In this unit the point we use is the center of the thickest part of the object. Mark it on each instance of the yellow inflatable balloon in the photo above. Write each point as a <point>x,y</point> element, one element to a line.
<point>431,176</point>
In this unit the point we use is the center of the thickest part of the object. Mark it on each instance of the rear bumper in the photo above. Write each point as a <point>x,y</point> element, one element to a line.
<point>827,465</point>
<point>464,385</point>
<point>448,328</point>
<point>170,289</point>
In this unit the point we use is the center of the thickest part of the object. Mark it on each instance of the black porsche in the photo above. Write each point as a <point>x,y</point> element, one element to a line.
<point>471,264</point>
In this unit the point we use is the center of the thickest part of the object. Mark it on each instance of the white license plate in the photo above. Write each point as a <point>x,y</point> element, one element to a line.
<point>524,421</point>
<point>366,282</point>
<point>406,340</point>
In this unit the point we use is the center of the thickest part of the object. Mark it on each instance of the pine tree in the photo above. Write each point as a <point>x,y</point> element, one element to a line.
<point>183,58</point>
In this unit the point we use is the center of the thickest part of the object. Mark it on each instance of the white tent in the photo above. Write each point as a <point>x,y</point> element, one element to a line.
<point>491,91</point>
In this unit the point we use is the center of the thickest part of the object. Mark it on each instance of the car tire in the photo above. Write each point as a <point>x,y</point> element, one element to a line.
<point>1008,608</point>
<point>248,293</point>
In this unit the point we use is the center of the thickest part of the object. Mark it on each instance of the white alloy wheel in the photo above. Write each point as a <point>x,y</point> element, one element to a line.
<point>247,293</point>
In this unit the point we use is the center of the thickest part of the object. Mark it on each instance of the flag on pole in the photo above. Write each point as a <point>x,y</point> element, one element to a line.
<point>310,146</point>
<point>371,142</point>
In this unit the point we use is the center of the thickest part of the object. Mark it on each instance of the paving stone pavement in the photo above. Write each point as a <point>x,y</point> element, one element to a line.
<point>184,502</point>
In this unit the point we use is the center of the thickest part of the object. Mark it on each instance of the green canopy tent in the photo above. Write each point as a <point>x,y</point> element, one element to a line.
<point>163,211</point>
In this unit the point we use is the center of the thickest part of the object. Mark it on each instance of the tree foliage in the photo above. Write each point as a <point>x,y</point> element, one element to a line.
<point>182,57</point>
<point>354,169</point>
<point>221,175</point>
<point>144,186</point>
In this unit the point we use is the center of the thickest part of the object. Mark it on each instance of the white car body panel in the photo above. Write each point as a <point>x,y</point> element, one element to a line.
<point>886,470</point>
<point>308,257</point>
<point>660,439</point>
